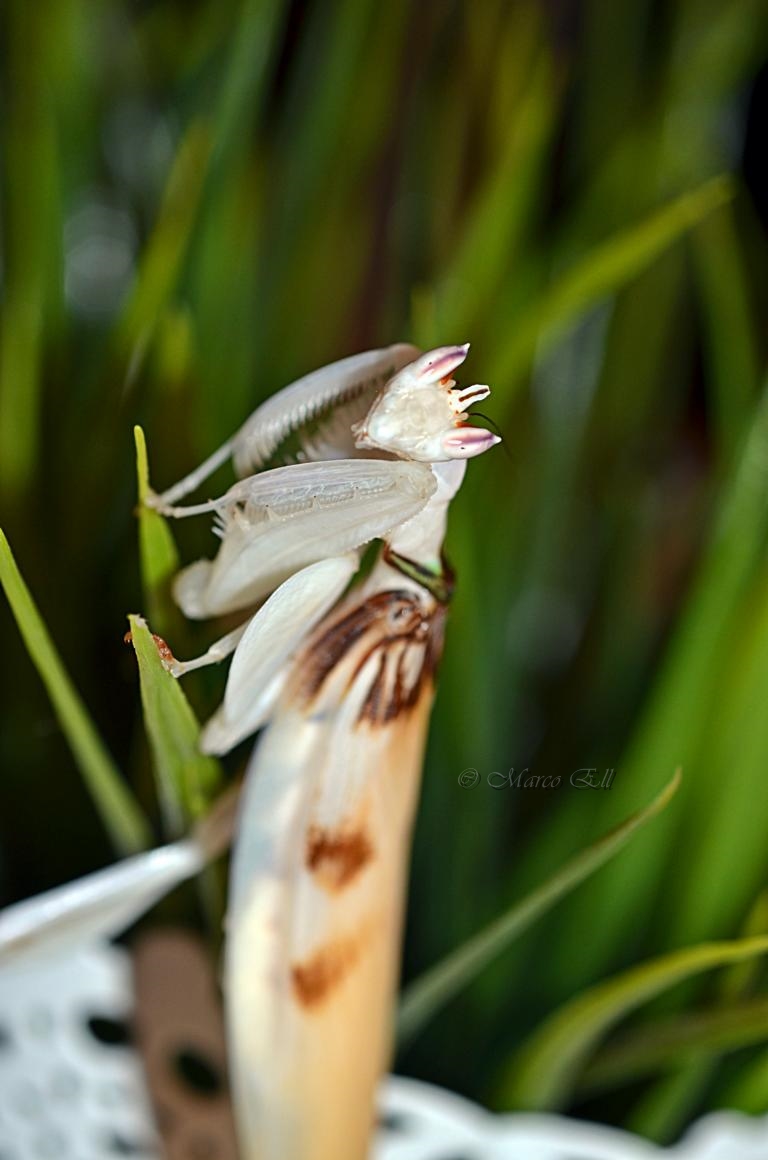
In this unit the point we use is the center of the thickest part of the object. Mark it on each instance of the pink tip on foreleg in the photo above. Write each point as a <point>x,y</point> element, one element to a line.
<point>439,364</point>
<point>466,442</point>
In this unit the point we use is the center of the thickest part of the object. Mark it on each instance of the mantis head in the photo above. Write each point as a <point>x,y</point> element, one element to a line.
<point>421,413</point>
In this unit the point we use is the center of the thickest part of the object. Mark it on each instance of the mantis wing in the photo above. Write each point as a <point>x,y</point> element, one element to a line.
<point>273,524</point>
<point>319,875</point>
<point>319,408</point>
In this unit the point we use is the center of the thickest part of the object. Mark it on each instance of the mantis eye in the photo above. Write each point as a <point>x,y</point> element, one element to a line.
<point>404,617</point>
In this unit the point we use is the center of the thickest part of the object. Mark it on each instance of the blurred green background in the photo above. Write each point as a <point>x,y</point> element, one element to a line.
<point>202,201</point>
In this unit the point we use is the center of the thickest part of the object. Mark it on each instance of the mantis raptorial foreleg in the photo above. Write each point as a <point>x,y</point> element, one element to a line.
<point>422,413</point>
<point>273,524</point>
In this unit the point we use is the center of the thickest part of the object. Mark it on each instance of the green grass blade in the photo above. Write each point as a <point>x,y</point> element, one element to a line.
<point>604,270</point>
<point>242,94</point>
<point>118,809</point>
<point>223,263</point>
<point>747,1091</point>
<point>722,838</point>
<point>166,249</point>
<point>502,208</point>
<point>424,998</point>
<point>731,333</point>
<point>315,128</point>
<point>159,559</point>
<point>671,1041</point>
<point>187,779</point>
<point>30,229</point>
<point>663,1112</point>
<point>685,694</point>
<point>741,981</point>
<point>546,1070</point>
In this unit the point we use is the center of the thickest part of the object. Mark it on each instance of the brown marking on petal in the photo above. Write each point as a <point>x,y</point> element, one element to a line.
<point>400,691</point>
<point>403,697</point>
<point>389,623</point>
<point>336,857</point>
<point>315,980</point>
<point>335,641</point>
<point>374,707</point>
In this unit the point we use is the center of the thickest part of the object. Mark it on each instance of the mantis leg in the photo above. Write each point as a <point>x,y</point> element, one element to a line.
<point>192,481</point>
<point>266,646</point>
<point>218,651</point>
<point>439,583</point>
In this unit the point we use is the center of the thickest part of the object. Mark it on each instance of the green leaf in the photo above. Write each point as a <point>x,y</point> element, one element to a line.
<point>118,809</point>
<point>157,550</point>
<point>187,779</point>
<point>546,1070</point>
<point>424,998</point>
<point>604,270</point>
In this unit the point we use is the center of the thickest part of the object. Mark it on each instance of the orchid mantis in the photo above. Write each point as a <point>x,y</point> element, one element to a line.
<point>344,684</point>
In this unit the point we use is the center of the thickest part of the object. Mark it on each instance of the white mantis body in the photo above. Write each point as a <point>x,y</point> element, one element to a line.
<point>344,685</point>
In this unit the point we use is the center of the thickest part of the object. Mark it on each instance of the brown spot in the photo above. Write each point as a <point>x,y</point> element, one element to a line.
<point>165,653</point>
<point>315,980</point>
<point>336,857</point>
